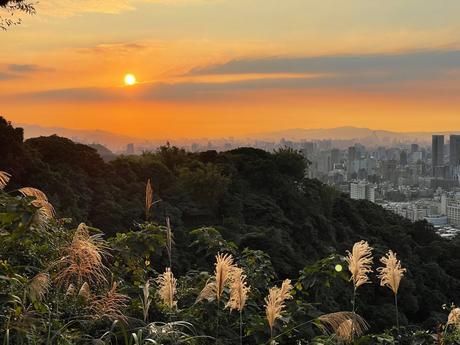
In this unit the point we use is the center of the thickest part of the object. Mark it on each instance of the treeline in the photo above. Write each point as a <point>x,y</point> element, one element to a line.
<point>256,200</point>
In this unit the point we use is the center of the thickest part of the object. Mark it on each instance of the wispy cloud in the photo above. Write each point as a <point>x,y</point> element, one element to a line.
<point>417,64</point>
<point>113,48</point>
<point>27,68</point>
<point>67,8</point>
<point>360,73</point>
<point>16,71</point>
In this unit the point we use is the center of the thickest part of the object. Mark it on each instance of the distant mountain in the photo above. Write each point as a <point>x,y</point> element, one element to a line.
<point>342,136</point>
<point>364,135</point>
<point>113,141</point>
<point>104,152</point>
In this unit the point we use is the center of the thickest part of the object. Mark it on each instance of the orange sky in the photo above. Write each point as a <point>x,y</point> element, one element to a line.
<point>228,68</point>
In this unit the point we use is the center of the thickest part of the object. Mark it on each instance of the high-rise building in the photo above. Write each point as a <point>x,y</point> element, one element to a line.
<point>362,190</point>
<point>454,154</point>
<point>413,148</point>
<point>130,149</point>
<point>437,152</point>
<point>403,158</point>
<point>335,156</point>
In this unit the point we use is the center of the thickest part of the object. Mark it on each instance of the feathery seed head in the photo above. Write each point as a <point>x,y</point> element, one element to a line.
<point>167,288</point>
<point>38,286</point>
<point>4,179</point>
<point>359,263</point>
<point>148,198</point>
<point>238,290</point>
<point>45,209</point>
<point>274,302</point>
<point>208,293</point>
<point>391,274</point>
<point>110,305</point>
<point>85,292</point>
<point>83,259</point>
<point>70,290</point>
<point>224,265</point>
<point>345,325</point>
<point>454,317</point>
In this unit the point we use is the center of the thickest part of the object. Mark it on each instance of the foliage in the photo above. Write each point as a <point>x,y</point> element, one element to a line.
<point>256,206</point>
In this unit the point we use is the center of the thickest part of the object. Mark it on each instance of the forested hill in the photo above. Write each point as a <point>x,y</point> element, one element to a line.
<point>255,199</point>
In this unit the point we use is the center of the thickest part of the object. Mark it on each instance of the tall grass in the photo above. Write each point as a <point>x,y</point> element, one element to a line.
<point>167,286</point>
<point>390,276</point>
<point>4,179</point>
<point>275,303</point>
<point>82,260</point>
<point>215,287</point>
<point>345,326</point>
<point>148,199</point>
<point>359,264</point>
<point>239,291</point>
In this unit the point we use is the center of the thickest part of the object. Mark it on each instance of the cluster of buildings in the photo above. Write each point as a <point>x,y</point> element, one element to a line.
<point>418,182</point>
<point>415,180</point>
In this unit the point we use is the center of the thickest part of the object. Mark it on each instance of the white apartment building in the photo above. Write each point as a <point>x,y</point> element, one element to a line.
<point>362,190</point>
<point>453,212</point>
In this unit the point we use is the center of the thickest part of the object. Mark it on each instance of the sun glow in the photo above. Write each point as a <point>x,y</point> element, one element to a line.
<point>130,79</point>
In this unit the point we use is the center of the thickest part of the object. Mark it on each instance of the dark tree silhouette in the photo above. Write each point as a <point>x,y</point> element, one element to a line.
<point>11,9</point>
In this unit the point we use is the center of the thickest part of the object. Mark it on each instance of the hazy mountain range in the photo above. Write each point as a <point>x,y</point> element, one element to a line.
<point>117,142</point>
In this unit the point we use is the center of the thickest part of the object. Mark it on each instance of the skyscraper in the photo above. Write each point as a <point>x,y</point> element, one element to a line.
<point>454,156</point>
<point>437,152</point>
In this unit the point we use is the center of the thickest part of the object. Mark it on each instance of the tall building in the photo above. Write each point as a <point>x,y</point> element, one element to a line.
<point>437,152</point>
<point>362,190</point>
<point>335,156</point>
<point>403,158</point>
<point>413,148</point>
<point>130,149</point>
<point>454,154</point>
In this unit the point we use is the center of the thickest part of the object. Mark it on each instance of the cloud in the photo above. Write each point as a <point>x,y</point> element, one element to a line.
<point>417,65</point>
<point>27,68</point>
<point>68,8</point>
<point>17,71</point>
<point>7,76</point>
<point>359,73</point>
<point>113,48</point>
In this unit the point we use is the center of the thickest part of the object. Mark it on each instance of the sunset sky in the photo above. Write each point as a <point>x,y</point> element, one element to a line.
<point>234,67</point>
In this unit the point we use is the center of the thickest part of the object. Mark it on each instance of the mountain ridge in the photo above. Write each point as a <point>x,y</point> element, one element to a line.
<point>116,141</point>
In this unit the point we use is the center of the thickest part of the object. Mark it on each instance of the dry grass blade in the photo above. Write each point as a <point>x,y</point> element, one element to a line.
<point>37,193</point>
<point>82,260</point>
<point>70,290</point>
<point>45,209</point>
<point>345,325</point>
<point>454,317</point>
<point>148,198</point>
<point>146,300</point>
<point>275,301</point>
<point>359,263</point>
<point>85,291</point>
<point>391,274</point>
<point>167,288</point>
<point>38,286</point>
<point>4,179</point>
<point>208,293</point>
<point>238,290</point>
<point>110,305</point>
<point>169,240</point>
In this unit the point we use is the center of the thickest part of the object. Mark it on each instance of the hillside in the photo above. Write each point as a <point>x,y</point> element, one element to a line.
<point>255,200</point>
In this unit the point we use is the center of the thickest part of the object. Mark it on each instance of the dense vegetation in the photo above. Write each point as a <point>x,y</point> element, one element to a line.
<point>254,205</point>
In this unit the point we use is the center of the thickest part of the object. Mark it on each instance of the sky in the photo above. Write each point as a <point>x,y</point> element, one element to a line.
<point>213,68</point>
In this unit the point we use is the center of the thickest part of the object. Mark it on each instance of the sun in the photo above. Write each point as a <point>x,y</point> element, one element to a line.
<point>130,79</point>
